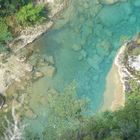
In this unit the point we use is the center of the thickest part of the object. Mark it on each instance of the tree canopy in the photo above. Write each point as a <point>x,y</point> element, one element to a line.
<point>66,119</point>
<point>30,14</point>
<point>5,35</point>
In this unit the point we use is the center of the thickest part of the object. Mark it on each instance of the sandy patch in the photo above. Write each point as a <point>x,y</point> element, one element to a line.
<point>113,95</point>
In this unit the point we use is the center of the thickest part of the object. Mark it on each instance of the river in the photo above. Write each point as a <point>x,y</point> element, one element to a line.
<point>84,42</point>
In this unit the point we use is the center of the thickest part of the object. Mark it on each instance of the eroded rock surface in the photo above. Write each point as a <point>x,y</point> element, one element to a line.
<point>12,70</point>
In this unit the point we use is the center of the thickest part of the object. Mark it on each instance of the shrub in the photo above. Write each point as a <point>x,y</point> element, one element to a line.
<point>5,35</point>
<point>30,14</point>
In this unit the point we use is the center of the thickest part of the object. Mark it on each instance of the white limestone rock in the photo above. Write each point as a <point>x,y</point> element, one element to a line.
<point>134,62</point>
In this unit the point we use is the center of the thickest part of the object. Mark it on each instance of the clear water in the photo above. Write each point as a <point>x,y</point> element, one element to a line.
<point>99,30</point>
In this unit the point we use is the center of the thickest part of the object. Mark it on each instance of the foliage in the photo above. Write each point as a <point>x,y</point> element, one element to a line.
<point>65,113</point>
<point>9,7</point>
<point>5,35</point>
<point>123,124</point>
<point>30,14</point>
<point>14,13</point>
<point>66,118</point>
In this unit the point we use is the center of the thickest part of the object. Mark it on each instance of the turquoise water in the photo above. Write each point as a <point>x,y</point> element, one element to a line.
<point>84,42</point>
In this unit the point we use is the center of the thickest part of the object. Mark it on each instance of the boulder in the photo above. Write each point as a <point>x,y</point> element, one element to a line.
<point>104,48</point>
<point>94,61</point>
<point>80,57</point>
<point>38,75</point>
<point>29,67</point>
<point>108,2</point>
<point>50,71</point>
<point>21,58</point>
<point>83,53</point>
<point>112,15</point>
<point>49,59</point>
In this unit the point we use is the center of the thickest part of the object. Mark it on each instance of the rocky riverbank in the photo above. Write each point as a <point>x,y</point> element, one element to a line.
<point>126,67</point>
<point>29,34</point>
<point>128,62</point>
<point>14,66</point>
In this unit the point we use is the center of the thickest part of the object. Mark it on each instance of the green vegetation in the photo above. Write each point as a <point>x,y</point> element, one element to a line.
<point>5,35</point>
<point>14,14</point>
<point>67,119</point>
<point>123,124</point>
<point>30,14</point>
<point>65,113</point>
<point>9,7</point>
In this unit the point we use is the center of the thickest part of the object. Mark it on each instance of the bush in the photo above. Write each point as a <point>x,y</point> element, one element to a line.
<point>122,124</point>
<point>65,114</point>
<point>30,14</point>
<point>5,35</point>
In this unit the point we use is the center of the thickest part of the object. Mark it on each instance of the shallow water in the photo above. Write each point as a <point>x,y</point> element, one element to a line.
<point>96,32</point>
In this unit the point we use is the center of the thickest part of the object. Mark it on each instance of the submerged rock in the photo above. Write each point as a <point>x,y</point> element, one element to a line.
<point>83,53</point>
<point>109,1</point>
<point>50,71</point>
<point>76,47</point>
<point>104,48</point>
<point>49,59</point>
<point>29,67</point>
<point>37,75</point>
<point>30,114</point>
<point>94,61</point>
<point>112,15</point>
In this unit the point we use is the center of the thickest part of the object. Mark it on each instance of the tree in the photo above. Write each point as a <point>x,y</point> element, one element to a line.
<point>65,114</point>
<point>122,124</point>
<point>8,7</point>
<point>30,14</point>
<point>5,35</point>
